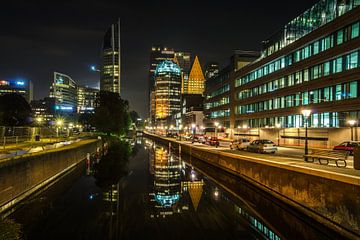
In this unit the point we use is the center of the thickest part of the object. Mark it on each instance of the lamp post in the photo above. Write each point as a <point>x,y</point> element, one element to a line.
<point>352,123</point>
<point>216,126</point>
<point>193,127</point>
<point>306,113</point>
<point>278,126</point>
<point>59,123</point>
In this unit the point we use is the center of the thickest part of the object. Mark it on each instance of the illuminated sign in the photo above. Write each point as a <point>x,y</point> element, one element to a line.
<point>64,108</point>
<point>20,83</point>
<point>3,83</point>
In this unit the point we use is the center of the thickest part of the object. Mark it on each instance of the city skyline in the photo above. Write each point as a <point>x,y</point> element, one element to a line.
<point>72,44</point>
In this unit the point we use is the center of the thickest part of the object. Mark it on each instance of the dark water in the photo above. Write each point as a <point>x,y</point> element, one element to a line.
<point>145,191</point>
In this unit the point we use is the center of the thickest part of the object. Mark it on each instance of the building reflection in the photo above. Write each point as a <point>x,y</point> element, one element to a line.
<point>173,189</point>
<point>177,187</point>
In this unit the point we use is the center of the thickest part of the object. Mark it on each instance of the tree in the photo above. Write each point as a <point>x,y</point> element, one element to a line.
<point>14,110</point>
<point>134,116</point>
<point>112,114</point>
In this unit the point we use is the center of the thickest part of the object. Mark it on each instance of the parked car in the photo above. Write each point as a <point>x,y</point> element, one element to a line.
<point>172,135</point>
<point>262,146</point>
<point>213,141</point>
<point>198,138</point>
<point>347,146</point>
<point>240,144</point>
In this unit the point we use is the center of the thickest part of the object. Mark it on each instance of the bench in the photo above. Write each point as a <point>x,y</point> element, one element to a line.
<point>324,156</point>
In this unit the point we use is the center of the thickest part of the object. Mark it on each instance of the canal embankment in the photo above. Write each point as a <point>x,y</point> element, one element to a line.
<point>20,176</point>
<point>329,195</point>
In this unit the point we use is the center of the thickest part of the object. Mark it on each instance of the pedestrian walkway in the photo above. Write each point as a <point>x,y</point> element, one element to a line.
<point>293,159</point>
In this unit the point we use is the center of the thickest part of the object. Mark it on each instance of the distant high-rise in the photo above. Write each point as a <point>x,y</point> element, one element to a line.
<point>212,69</point>
<point>196,84</point>
<point>158,54</point>
<point>167,89</point>
<point>111,60</point>
<point>64,90</point>
<point>183,59</point>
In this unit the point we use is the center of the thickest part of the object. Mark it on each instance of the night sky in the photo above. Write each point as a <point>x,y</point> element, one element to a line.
<point>38,39</point>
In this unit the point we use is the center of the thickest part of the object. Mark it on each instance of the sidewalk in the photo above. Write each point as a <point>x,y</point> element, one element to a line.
<point>294,163</point>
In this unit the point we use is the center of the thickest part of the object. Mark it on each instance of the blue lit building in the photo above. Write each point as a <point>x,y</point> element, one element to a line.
<point>64,90</point>
<point>19,86</point>
<point>167,89</point>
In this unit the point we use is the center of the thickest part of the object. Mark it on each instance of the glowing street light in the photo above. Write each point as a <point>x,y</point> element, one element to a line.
<point>352,123</point>
<point>306,113</point>
<point>39,120</point>
<point>278,126</point>
<point>216,127</point>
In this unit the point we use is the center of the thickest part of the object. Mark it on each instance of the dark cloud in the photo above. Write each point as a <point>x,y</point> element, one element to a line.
<point>38,38</point>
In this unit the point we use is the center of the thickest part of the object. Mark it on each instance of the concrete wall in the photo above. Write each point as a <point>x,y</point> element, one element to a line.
<point>333,201</point>
<point>20,174</point>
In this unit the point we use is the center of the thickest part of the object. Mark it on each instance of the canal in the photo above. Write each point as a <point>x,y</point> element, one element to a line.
<point>143,189</point>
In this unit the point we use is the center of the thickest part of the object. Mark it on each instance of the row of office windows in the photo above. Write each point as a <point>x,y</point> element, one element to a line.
<point>220,113</point>
<point>222,101</point>
<point>321,13</point>
<point>219,91</point>
<point>327,94</point>
<point>325,119</point>
<point>314,48</point>
<point>346,62</point>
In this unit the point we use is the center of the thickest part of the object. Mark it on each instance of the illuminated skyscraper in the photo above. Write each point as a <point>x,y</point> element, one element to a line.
<point>183,60</point>
<point>158,54</point>
<point>111,60</point>
<point>196,84</point>
<point>167,89</point>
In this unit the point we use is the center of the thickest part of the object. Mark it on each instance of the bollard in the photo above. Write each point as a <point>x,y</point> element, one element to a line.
<point>357,158</point>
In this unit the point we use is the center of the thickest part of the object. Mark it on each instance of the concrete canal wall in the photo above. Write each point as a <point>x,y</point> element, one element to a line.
<point>23,174</point>
<point>330,198</point>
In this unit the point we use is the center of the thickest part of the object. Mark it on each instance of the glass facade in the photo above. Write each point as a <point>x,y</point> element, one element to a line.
<point>167,89</point>
<point>320,45</point>
<point>318,15</point>
<point>327,94</point>
<point>333,66</point>
<point>111,62</point>
<point>64,90</point>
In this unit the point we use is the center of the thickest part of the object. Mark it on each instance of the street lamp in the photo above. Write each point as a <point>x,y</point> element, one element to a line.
<point>59,123</point>
<point>193,127</point>
<point>39,120</point>
<point>306,113</point>
<point>216,126</point>
<point>278,126</point>
<point>352,123</point>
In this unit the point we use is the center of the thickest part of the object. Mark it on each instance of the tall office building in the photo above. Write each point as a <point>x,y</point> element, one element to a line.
<point>183,59</point>
<point>167,89</point>
<point>111,60</point>
<point>196,83</point>
<point>158,54</point>
<point>22,87</point>
<point>311,63</point>
<point>64,90</point>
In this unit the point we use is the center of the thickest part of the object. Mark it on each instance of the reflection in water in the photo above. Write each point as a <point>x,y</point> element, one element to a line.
<point>143,190</point>
<point>174,180</point>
